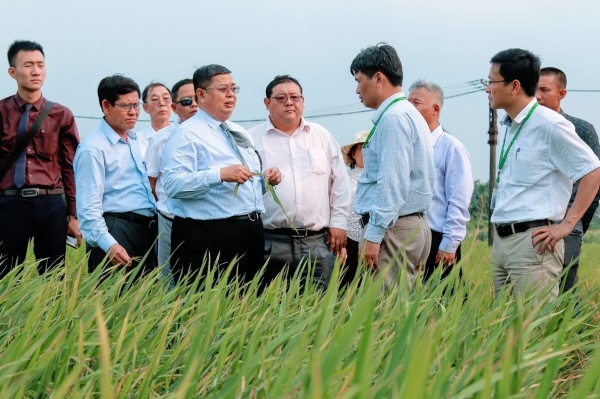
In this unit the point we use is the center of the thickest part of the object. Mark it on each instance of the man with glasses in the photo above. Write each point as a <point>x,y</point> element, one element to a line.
<point>551,89</point>
<point>214,180</point>
<point>184,105</point>
<point>116,208</point>
<point>34,179</point>
<point>540,156</point>
<point>315,194</point>
<point>157,103</point>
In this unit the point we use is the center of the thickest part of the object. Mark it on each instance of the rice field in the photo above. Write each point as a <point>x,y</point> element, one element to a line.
<point>65,336</point>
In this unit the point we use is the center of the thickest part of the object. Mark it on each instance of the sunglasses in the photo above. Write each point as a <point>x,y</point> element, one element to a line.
<point>185,101</point>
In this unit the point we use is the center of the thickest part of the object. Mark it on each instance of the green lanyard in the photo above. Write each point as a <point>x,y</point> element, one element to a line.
<point>378,119</point>
<point>504,155</point>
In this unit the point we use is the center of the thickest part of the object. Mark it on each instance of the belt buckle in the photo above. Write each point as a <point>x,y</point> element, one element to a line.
<point>254,216</point>
<point>300,233</point>
<point>30,192</point>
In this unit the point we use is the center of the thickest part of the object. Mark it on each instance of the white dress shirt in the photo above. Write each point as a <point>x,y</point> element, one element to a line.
<point>398,178</point>
<point>314,188</point>
<point>154,162</point>
<point>144,137</point>
<point>449,210</point>
<point>547,156</point>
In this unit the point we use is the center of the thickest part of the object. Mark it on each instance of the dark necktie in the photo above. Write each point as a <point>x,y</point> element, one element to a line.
<point>237,139</point>
<point>19,177</point>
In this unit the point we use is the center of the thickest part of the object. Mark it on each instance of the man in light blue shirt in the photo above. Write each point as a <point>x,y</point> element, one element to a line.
<point>449,211</point>
<point>212,176</point>
<point>116,208</point>
<point>396,186</point>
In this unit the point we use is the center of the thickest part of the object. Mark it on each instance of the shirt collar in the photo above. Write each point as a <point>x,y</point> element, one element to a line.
<point>304,127</point>
<point>213,123</point>
<point>36,105</point>
<point>113,136</point>
<point>384,104</point>
<point>436,134</point>
<point>521,115</point>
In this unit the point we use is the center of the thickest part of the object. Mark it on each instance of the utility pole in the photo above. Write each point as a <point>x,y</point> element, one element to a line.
<point>492,141</point>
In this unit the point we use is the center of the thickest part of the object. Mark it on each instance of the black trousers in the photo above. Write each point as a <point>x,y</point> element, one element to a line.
<point>430,265</point>
<point>192,240</point>
<point>42,218</point>
<point>138,240</point>
<point>350,268</point>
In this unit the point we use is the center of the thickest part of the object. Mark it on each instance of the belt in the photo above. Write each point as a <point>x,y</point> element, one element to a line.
<point>297,233</point>
<point>133,218</point>
<point>33,192</point>
<point>505,230</point>
<point>364,219</point>
<point>253,217</point>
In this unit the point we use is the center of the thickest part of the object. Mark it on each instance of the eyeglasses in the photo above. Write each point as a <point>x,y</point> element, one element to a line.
<point>489,82</point>
<point>185,101</point>
<point>283,99</point>
<point>224,89</point>
<point>129,107</point>
<point>157,101</point>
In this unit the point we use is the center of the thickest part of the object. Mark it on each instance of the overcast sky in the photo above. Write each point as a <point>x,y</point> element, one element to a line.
<point>449,42</point>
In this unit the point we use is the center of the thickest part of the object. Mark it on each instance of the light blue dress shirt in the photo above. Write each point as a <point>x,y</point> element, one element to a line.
<point>192,161</point>
<point>110,177</point>
<point>399,174</point>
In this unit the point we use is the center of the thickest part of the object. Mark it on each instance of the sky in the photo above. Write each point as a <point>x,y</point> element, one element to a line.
<point>448,42</point>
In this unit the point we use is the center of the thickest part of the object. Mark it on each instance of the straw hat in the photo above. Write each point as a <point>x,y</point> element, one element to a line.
<point>359,138</point>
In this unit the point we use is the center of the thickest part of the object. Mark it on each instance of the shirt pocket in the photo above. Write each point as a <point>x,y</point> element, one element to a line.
<point>528,167</point>
<point>318,160</point>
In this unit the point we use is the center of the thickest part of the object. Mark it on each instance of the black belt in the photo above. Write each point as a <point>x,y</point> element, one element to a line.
<point>364,219</point>
<point>253,217</point>
<point>297,233</point>
<point>133,218</point>
<point>33,192</point>
<point>505,230</point>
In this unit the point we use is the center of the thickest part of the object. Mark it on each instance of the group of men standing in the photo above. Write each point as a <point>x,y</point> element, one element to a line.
<point>204,184</point>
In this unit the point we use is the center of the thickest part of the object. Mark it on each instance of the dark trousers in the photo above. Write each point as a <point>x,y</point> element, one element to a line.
<point>430,265</point>
<point>193,240</point>
<point>350,268</point>
<point>137,239</point>
<point>572,253</point>
<point>42,218</point>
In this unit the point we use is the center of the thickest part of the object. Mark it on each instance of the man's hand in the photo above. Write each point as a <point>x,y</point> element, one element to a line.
<point>73,229</point>
<point>235,174</point>
<point>273,176</point>
<point>336,239</point>
<point>447,258</point>
<point>118,255</point>
<point>370,252</point>
<point>550,236</point>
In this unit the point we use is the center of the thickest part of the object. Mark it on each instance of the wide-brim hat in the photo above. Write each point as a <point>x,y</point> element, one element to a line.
<point>359,138</point>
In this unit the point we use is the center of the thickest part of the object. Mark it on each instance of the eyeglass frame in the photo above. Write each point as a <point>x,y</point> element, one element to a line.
<point>489,82</point>
<point>282,98</point>
<point>223,89</point>
<point>191,100</point>
<point>156,101</point>
<point>129,106</point>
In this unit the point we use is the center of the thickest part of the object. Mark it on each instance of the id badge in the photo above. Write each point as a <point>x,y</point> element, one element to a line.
<point>493,199</point>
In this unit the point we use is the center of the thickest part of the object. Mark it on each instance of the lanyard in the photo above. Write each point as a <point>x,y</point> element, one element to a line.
<point>504,155</point>
<point>378,119</point>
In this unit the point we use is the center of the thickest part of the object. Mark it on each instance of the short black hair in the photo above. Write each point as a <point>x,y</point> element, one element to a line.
<point>177,86</point>
<point>281,79</point>
<point>151,86</point>
<point>521,65</point>
<point>22,45</point>
<point>560,75</point>
<point>111,87</point>
<point>203,75</point>
<point>379,58</point>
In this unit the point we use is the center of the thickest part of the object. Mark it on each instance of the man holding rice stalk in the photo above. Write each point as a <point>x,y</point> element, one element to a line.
<point>540,155</point>
<point>214,180</point>
<point>396,186</point>
<point>309,228</point>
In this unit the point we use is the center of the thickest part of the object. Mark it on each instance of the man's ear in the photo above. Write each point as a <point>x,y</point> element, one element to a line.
<point>562,93</point>
<point>12,73</point>
<point>105,106</point>
<point>199,96</point>
<point>267,102</point>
